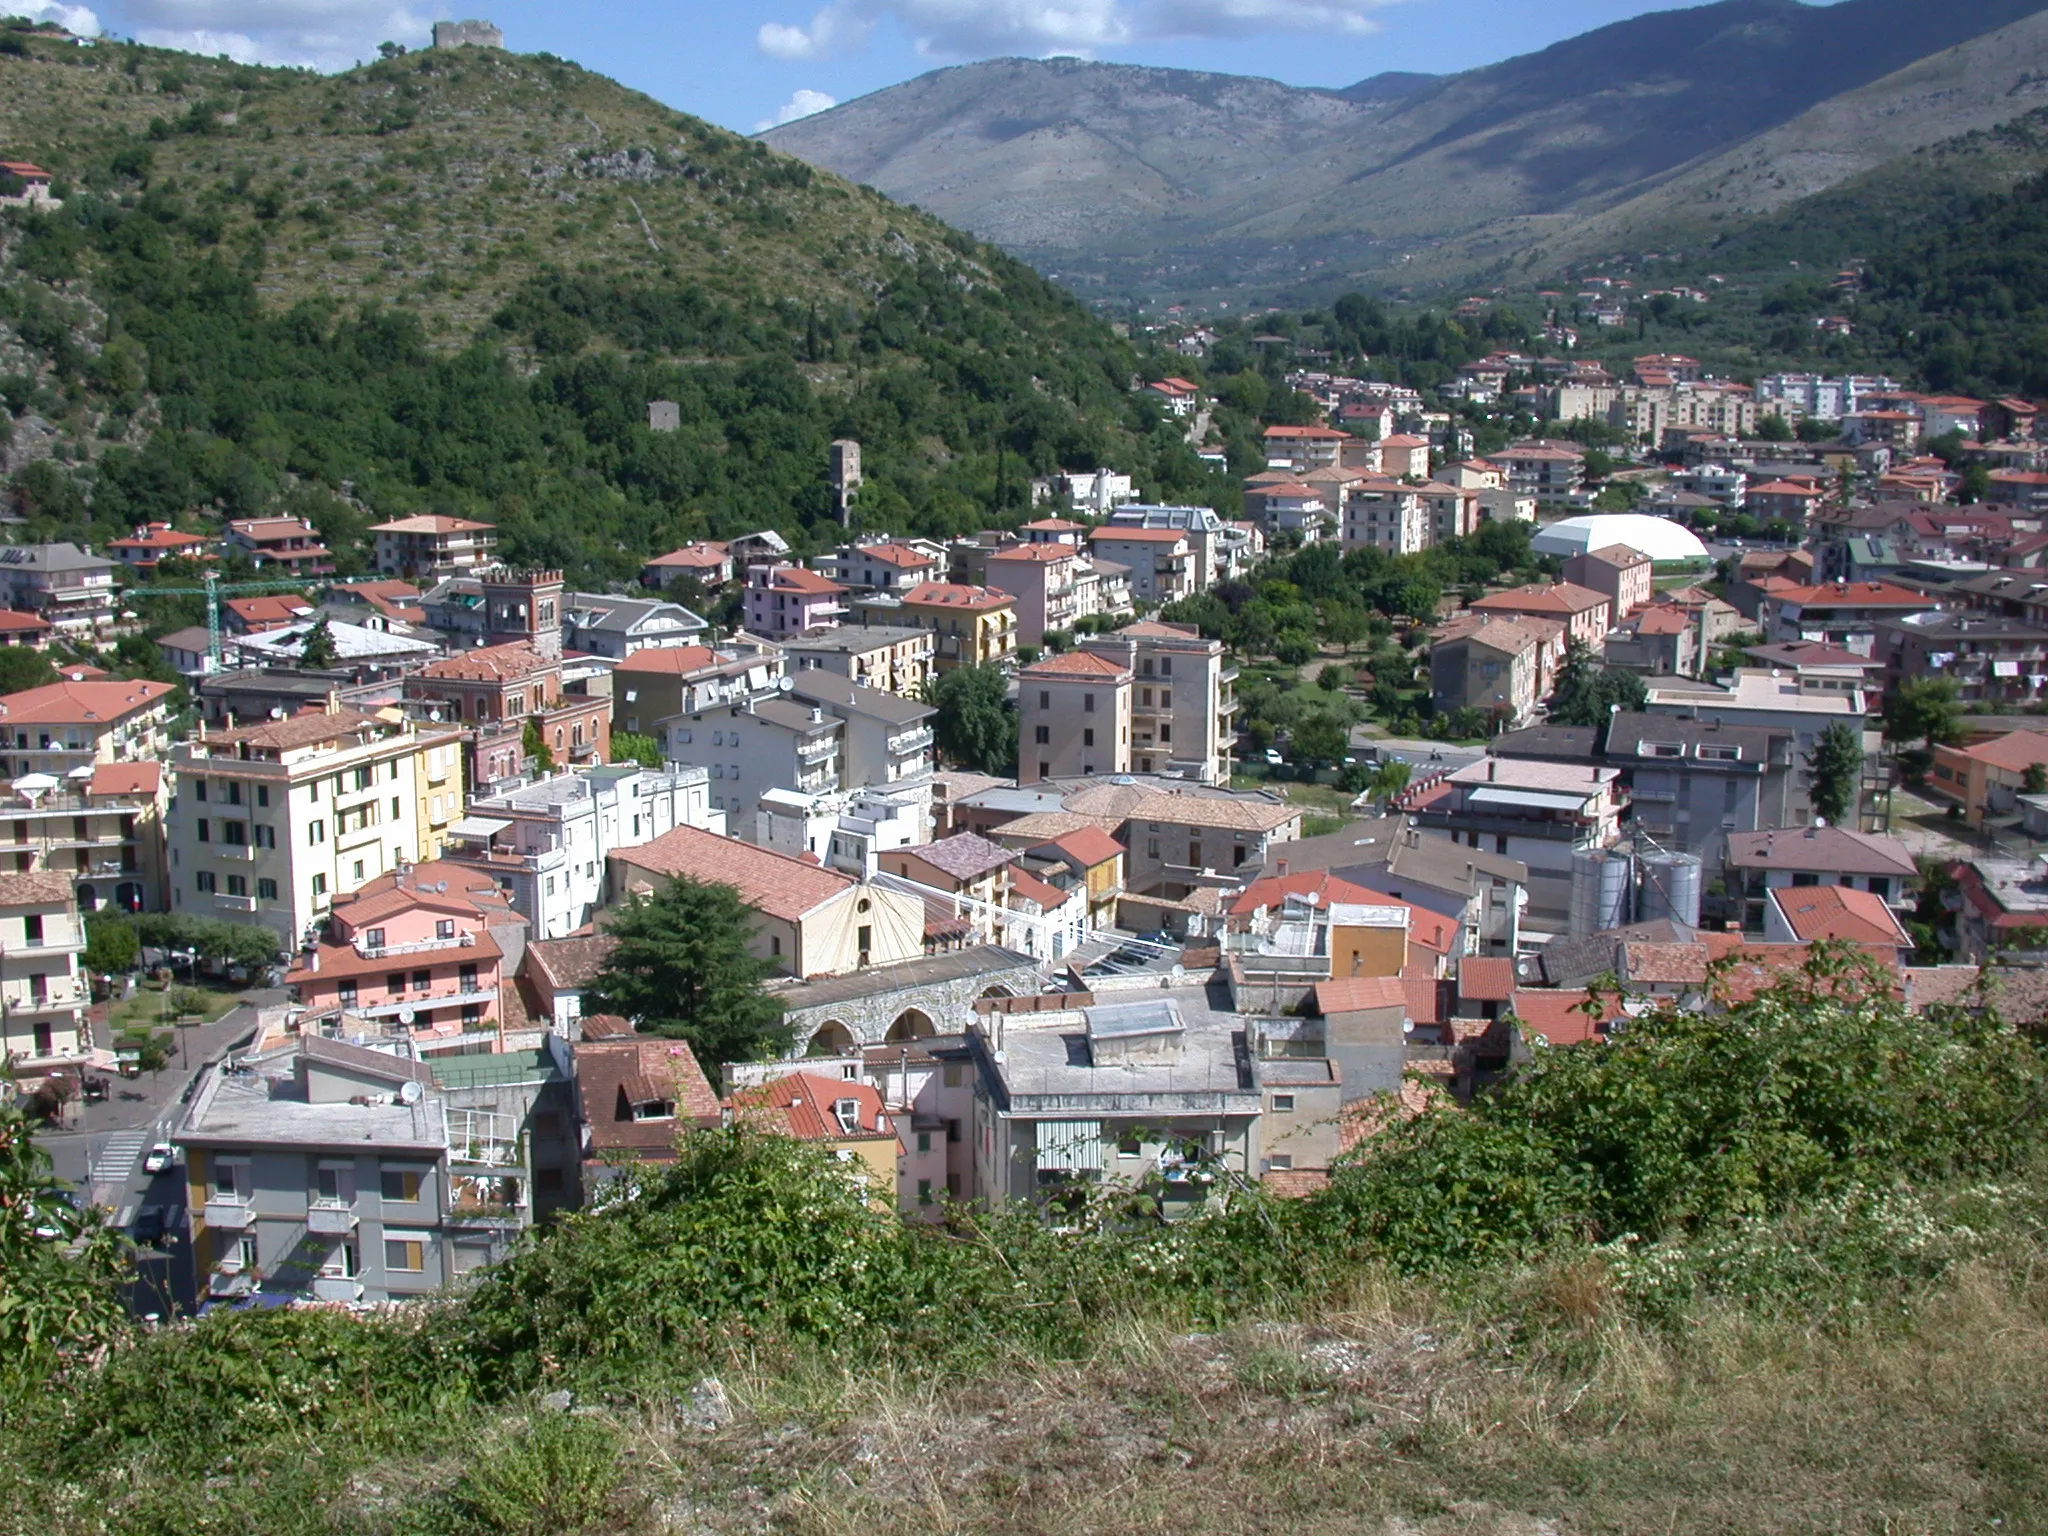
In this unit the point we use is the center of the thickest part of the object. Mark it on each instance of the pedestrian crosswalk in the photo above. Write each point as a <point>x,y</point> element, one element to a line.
<point>118,1156</point>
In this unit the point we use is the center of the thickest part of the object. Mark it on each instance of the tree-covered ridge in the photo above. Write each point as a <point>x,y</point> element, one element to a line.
<point>200,331</point>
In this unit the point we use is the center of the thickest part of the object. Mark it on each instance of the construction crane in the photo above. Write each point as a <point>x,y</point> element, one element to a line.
<point>212,593</point>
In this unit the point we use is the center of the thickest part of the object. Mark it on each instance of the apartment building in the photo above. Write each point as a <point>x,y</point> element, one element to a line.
<point>61,583</point>
<point>1184,700</point>
<point>1762,860</point>
<point>970,625</point>
<point>289,546</point>
<point>1621,575</point>
<point>1842,613</point>
<point>153,542</point>
<point>1802,707</point>
<point>43,996</point>
<point>706,562</point>
<point>1453,512</point>
<point>1074,717</point>
<point>1552,475</point>
<point>1385,514</point>
<point>890,658</point>
<point>605,624</point>
<point>651,687</point>
<point>891,566</point>
<point>427,549</point>
<point>760,743</point>
<point>1503,666</point>
<point>546,844</point>
<point>1178,842</point>
<point>1054,584</point>
<point>106,833</point>
<point>786,600</point>
<point>880,792</point>
<point>1540,813</point>
<point>1163,569</point>
<point>60,728</point>
<point>418,956</point>
<point>1296,507</point>
<point>272,822</point>
<point>324,1170</point>
<point>1206,534</point>
<point>1990,660</point>
<point>1301,449</point>
<point>1586,615</point>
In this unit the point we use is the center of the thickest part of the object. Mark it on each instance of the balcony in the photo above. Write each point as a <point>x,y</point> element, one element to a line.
<point>330,1218</point>
<point>230,1213</point>
<point>235,903</point>
<point>231,1280</point>
<point>816,749</point>
<point>240,853</point>
<point>50,1000</point>
<point>424,1002</point>
<point>919,740</point>
<point>336,1288</point>
<point>416,947</point>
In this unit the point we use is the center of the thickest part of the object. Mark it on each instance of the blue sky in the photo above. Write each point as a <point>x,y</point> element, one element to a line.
<point>745,63</point>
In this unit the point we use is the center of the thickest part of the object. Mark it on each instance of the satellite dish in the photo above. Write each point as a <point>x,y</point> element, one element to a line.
<point>785,683</point>
<point>405,1016</point>
<point>409,1091</point>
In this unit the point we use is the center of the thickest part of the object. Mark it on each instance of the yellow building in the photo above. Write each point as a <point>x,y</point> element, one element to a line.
<point>845,1116</point>
<point>438,779</point>
<point>973,624</point>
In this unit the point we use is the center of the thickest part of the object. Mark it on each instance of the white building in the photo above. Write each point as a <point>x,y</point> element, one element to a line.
<point>547,843</point>
<point>42,996</point>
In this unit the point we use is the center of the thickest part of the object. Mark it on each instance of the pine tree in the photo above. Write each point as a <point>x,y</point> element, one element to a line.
<point>317,652</point>
<point>681,967</point>
<point>1836,765</point>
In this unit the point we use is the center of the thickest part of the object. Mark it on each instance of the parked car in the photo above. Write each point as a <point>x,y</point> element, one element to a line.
<point>1273,757</point>
<point>160,1157</point>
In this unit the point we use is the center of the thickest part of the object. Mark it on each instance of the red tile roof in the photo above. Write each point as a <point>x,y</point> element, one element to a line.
<point>671,660</point>
<point>611,1074</point>
<point>1816,912</point>
<point>1486,978</point>
<point>769,882</point>
<point>955,594</point>
<point>126,779</point>
<point>89,703</point>
<point>1854,594</point>
<point>1555,1017</point>
<point>430,523</point>
<point>1031,888</point>
<point>1561,597</point>
<point>1074,664</point>
<point>1354,993</point>
<point>489,664</point>
<point>901,555</point>
<point>1090,845</point>
<point>2015,751</point>
<point>795,578</point>
<point>802,1105</point>
<point>21,623</point>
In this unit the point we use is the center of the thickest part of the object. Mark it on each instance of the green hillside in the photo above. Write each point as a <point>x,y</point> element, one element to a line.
<point>451,281</point>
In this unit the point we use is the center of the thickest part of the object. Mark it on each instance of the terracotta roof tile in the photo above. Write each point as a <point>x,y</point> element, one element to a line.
<point>489,664</point>
<point>1815,912</point>
<point>803,1105</point>
<point>1486,978</point>
<point>1354,993</point>
<point>610,1072</point>
<point>88,703</point>
<point>1084,664</point>
<point>769,882</point>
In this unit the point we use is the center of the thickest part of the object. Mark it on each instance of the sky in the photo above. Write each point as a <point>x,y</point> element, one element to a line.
<point>747,64</point>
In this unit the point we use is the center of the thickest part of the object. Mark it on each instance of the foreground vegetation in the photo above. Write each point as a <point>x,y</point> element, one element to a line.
<point>1689,1279</point>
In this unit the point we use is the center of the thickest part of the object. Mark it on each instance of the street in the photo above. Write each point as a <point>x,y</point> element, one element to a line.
<point>100,1148</point>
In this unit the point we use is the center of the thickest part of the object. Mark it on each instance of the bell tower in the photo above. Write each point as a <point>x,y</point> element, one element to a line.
<point>524,605</point>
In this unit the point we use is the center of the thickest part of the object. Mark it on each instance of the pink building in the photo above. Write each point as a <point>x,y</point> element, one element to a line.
<point>787,600</point>
<point>412,950</point>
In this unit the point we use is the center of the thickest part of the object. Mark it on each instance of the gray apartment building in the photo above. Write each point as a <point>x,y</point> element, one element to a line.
<point>324,1170</point>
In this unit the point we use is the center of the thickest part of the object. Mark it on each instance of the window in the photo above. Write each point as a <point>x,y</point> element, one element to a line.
<point>395,983</point>
<point>1283,1103</point>
<point>203,882</point>
<point>924,1191</point>
<point>1151,847</point>
<point>393,774</point>
<point>1280,1162</point>
<point>1043,736</point>
<point>363,777</point>
<point>32,928</point>
<point>1165,733</point>
<point>205,830</point>
<point>1045,770</point>
<point>1166,666</point>
<point>235,833</point>
<point>313,791</point>
<point>238,885</point>
<point>263,794</point>
<point>1806,879</point>
<point>396,813</point>
<point>847,1113</point>
<point>1044,702</point>
<point>422,981</point>
<point>1165,698</point>
<point>398,1184</point>
<point>1129,1144</point>
<point>1881,886</point>
<point>924,1141</point>
<point>234,791</point>
<point>405,1253</point>
<point>266,889</point>
<point>348,994</point>
<point>264,837</point>
<point>319,885</point>
<point>330,1184</point>
<point>230,1179</point>
<point>1195,855</point>
<point>444,928</point>
<point>1088,738</point>
<point>359,871</point>
<point>1087,703</point>
<point>316,832</point>
<point>199,790</point>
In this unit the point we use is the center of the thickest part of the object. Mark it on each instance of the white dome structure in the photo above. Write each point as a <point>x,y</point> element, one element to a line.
<point>1658,537</point>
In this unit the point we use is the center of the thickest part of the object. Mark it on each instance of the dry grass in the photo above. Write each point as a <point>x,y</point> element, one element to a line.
<point>1378,1419</point>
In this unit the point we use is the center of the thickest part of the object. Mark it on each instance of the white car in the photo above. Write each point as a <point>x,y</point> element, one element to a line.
<point>1273,758</point>
<point>160,1157</point>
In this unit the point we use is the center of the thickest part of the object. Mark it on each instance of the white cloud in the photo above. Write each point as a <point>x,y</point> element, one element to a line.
<point>802,104</point>
<point>320,34</point>
<point>977,28</point>
<point>76,19</point>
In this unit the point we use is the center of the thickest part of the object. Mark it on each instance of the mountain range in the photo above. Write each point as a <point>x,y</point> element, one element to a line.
<point>1151,183</point>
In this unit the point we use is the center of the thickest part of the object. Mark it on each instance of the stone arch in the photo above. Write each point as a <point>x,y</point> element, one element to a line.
<point>997,989</point>
<point>911,1024</point>
<point>831,1038</point>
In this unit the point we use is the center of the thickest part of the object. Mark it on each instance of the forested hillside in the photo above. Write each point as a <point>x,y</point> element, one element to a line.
<point>452,282</point>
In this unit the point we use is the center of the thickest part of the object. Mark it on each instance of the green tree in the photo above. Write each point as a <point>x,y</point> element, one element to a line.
<point>22,668</point>
<point>1389,779</point>
<point>682,966</point>
<point>1835,769</point>
<point>1587,693</point>
<point>317,653</point>
<point>2034,781</point>
<point>56,1300</point>
<point>111,945</point>
<point>1924,709</point>
<point>1320,738</point>
<point>630,747</point>
<point>975,726</point>
<point>533,741</point>
<point>1295,647</point>
<point>1773,428</point>
<point>1345,625</point>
